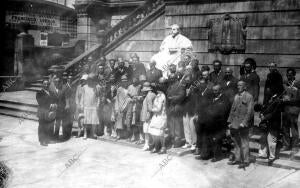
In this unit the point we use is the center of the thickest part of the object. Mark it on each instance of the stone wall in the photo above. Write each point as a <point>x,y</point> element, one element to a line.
<point>273,30</point>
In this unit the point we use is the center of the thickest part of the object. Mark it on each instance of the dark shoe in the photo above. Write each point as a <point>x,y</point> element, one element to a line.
<point>270,162</point>
<point>202,158</point>
<point>214,160</point>
<point>243,165</point>
<point>43,144</point>
<point>154,151</point>
<point>233,163</point>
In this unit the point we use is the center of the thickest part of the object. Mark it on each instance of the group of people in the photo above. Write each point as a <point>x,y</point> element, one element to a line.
<point>176,103</point>
<point>191,108</point>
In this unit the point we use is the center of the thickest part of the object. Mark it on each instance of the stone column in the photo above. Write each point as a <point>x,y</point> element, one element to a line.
<point>23,52</point>
<point>86,28</point>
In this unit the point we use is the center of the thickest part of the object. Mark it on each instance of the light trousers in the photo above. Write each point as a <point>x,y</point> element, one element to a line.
<point>189,129</point>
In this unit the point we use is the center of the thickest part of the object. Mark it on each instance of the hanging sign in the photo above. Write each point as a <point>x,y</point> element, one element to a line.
<point>33,19</point>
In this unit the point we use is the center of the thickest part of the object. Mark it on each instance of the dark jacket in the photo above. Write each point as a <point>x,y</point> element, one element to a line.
<point>44,101</point>
<point>136,70</point>
<point>120,72</point>
<point>217,78</point>
<point>153,75</point>
<point>229,87</point>
<point>175,97</point>
<point>203,94</point>
<point>274,85</point>
<point>59,98</point>
<point>252,81</point>
<point>272,115</point>
<point>217,113</point>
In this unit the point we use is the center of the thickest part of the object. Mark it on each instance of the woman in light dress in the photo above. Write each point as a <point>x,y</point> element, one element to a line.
<point>158,122</point>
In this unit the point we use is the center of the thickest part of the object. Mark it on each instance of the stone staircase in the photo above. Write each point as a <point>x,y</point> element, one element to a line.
<point>22,104</point>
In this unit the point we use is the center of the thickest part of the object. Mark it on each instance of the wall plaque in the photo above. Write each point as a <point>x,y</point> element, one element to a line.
<point>227,34</point>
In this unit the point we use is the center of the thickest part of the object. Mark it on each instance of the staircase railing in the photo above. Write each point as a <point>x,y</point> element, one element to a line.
<point>133,23</point>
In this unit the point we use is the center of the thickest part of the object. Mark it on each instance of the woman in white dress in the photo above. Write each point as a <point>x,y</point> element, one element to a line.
<point>90,95</point>
<point>159,121</point>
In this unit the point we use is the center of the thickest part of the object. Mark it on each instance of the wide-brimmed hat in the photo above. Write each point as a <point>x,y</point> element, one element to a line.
<point>146,87</point>
<point>124,78</point>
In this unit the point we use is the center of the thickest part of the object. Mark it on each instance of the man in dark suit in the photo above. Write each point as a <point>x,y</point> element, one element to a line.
<point>121,70</point>
<point>251,78</point>
<point>240,120</point>
<point>153,74</point>
<point>44,101</point>
<point>58,95</point>
<point>203,88</point>
<point>216,76</point>
<point>69,110</point>
<point>136,68</point>
<point>229,85</point>
<point>216,121</point>
<point>274,83</point>
<point>175,96</point>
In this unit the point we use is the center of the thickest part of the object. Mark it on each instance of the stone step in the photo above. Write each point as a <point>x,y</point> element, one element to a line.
<point>280,163</point>
<point>18,114</point>
<point>18,107</point>
<point>33,88</point>
<point>36,84</point>
<point>289,155</point>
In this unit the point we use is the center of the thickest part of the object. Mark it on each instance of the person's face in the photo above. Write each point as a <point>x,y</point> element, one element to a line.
<point>290,76</point>
<point>172,69</point>
<point>217,67</point>
<point>248,67</point>
<point>56,82</point>
<point>112,63</point>
<point>102,59</point>
<point>135,60</point>
<point>120,59</point>
<point>101,69</point>
<point>216,91</point>
<point>272,67</point>
<point>205,75</point>
<point>86,67</point>
<point>174,30</point>
<point>228,73</point>
<point>135,81</point>
<point>241,87</point>
<point>46,84</point>
<point>121,64</point>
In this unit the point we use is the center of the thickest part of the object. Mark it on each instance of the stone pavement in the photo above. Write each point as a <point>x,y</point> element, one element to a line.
<point>94,163</point>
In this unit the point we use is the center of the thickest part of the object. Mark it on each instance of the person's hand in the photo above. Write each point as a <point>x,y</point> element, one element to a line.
<point>242,125</point>
<point>228,132</point>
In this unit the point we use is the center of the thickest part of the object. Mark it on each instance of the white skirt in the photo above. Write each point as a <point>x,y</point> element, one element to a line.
<point>157,125</point>
<point>90,116</point>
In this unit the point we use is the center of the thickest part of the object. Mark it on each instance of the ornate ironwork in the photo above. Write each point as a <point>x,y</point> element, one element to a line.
<point>227,34</point>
